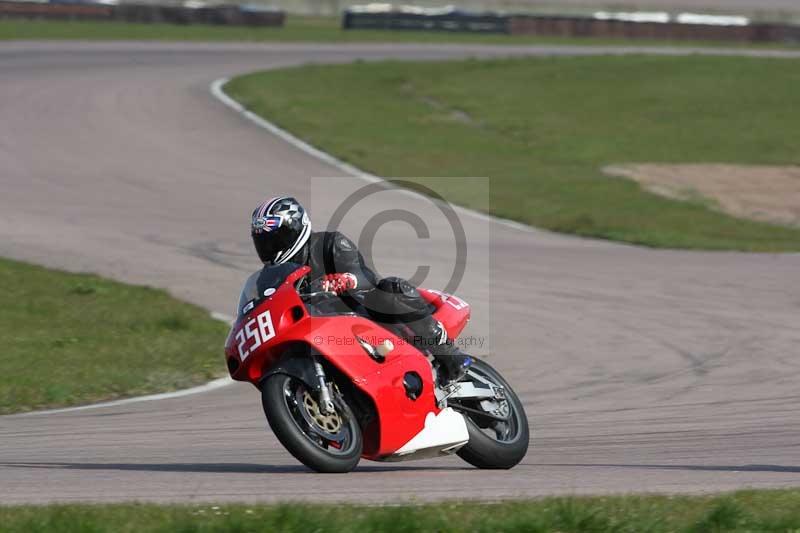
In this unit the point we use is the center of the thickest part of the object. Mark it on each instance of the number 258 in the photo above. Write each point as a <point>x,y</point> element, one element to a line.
<point>254,333</point>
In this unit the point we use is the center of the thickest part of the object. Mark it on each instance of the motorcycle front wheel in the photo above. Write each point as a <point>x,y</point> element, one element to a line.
<point>498,429</point>
<point>324,442</point>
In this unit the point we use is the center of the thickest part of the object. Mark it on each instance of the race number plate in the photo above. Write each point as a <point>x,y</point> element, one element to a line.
<point>254,333</point>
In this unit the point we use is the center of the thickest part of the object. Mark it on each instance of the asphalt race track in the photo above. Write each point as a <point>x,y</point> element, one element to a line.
<point>641,370</point>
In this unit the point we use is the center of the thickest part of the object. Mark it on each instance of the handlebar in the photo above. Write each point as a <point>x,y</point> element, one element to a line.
<point>314,297</point>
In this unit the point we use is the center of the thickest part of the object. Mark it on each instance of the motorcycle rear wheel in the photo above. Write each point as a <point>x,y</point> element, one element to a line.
<point>508,446</point>
<point>324,443</point>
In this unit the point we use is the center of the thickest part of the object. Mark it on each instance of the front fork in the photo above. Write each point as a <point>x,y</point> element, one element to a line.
<point>325,401</point>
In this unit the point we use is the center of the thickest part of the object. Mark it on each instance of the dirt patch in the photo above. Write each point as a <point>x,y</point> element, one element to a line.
<point>765,193</point>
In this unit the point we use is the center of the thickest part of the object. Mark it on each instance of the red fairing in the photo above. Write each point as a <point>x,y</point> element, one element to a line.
<point>259,339</point>
<point>451,311</point>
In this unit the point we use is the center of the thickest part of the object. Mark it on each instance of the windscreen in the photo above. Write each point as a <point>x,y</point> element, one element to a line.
<point>269,277</point>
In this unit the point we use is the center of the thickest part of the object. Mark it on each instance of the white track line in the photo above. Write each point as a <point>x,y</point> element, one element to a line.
<point>222,317</point>
<point>211,385</point>
<point>218,93</point>
<point>206,387</point>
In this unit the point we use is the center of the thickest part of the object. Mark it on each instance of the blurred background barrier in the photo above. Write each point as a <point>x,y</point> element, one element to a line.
<point>414,18</point>
<point>631,29</point>
<point>634,25</point>
<point>35,10</point>
<point>225,14</point>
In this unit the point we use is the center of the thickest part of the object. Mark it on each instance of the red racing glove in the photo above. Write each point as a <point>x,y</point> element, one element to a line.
<point>339,283</point>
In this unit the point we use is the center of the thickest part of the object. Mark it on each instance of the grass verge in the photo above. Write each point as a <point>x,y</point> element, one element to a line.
<point>302,29</point>
<point>542,128</point>
<point>71,339</point>
<point>742,511</point>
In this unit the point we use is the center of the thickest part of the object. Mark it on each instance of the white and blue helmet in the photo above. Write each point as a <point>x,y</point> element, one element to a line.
<point>279,227</point>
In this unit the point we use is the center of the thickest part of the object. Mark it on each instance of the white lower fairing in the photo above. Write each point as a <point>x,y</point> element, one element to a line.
<point>443,434</point>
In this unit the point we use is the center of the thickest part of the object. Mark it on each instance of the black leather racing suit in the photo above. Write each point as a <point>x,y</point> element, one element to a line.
<point>390,301</point>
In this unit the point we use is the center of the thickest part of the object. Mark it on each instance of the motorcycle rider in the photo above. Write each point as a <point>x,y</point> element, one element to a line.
<point>281,232</point>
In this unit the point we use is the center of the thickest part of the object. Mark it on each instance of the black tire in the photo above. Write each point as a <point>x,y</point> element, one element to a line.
<point>482,450</point>
<point>298,440</point>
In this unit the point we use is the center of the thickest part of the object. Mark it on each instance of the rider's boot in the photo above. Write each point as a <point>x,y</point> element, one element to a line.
<point>453,363</point>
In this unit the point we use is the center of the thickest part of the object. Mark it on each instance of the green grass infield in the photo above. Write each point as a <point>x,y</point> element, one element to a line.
<point>763,511</point>
<point>70,339</point>
<point>541,129</point>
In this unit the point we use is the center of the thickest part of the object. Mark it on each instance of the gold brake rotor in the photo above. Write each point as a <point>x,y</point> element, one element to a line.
<point>330,423</point>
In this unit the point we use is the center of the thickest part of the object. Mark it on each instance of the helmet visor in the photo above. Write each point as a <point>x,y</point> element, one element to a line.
<point>269,244</point>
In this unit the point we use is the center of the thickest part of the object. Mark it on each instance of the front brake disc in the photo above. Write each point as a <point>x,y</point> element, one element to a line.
<point>330,423</point>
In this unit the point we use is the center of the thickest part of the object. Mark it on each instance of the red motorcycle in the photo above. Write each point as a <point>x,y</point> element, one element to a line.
<point>336,386</point>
